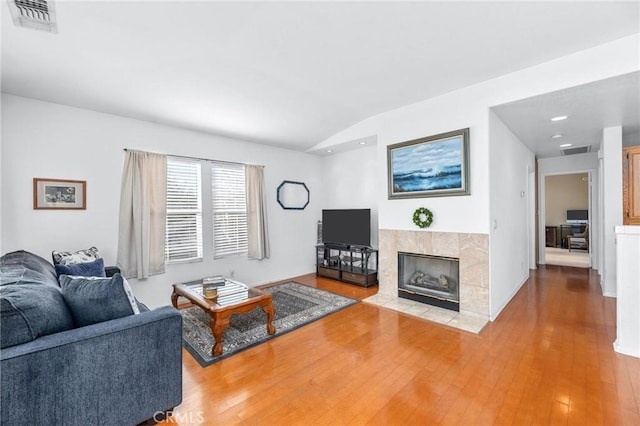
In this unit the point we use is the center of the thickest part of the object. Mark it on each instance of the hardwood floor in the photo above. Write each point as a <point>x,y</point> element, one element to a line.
<point>548,359</point>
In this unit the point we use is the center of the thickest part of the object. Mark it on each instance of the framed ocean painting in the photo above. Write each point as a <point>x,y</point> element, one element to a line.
<point>433,166</point>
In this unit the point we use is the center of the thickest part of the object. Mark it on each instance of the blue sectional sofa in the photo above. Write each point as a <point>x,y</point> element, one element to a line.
<point>120,371</point>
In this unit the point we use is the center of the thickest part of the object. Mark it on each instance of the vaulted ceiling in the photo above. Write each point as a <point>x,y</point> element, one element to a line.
<point>288,74</point>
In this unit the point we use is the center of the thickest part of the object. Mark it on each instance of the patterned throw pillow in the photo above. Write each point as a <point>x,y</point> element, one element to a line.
<point>81,256</point>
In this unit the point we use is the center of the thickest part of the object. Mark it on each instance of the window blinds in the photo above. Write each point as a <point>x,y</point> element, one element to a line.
<point>184,210</point>
<point>229,208</point>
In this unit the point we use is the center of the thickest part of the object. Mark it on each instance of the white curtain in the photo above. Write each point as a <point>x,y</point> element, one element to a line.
<point>257,233</point>
<point>143,214</point>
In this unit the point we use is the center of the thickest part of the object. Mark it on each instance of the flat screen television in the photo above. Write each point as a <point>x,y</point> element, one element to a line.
<point>577,216</point>
<point>348,227</point>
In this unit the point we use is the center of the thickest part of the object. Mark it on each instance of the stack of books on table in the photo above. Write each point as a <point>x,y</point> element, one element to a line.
<point>215,281</point>
<point>232,292</point>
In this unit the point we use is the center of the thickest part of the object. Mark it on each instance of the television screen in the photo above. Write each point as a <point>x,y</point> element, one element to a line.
<point>577,216</point>
<point>347,227</point>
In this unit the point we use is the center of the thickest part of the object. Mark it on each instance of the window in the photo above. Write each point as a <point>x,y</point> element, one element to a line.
<point>229,208</point>
<point>184,239</point>
<point>184,211</point>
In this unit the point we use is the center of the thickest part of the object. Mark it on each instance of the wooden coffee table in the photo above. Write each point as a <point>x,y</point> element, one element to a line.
<point>220,314</point>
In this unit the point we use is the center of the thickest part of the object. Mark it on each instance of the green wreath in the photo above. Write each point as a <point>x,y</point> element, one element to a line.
<point>423,217</point>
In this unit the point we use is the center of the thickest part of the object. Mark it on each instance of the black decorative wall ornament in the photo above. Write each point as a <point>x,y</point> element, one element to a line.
<point>293,195</point>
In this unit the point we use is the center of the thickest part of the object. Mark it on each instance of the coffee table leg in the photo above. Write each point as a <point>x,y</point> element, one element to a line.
<point>268,309</point>
<point>174,299</point>
<point>217,327</point>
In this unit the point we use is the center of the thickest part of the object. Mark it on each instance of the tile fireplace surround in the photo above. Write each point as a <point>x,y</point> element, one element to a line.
<point>473,252</point>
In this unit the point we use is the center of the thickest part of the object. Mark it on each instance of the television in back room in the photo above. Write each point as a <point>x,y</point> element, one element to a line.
<point>577,216</point>
<point>347,227</point>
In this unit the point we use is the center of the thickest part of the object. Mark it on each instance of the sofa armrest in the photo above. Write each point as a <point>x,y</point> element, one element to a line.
<point>121,371</point>
<point>110,271</point>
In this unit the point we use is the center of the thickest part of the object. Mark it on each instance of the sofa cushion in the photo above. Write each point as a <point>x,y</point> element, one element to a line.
<point>30,310</point>
<point>88,269</point>
<point>17,275</point>
<point>93,300</point>
<point>81,256</point>
<point>25,260</point>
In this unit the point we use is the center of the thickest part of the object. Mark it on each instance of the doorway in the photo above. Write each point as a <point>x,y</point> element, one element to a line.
<point>567,217</point>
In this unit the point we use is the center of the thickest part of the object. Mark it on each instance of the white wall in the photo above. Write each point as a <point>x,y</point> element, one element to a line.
<point>447,113</point>
<point>41,139</point>
<point>570,164</point>
<point>350,181</point>
<point>510,161</point>
<point>612,202</point>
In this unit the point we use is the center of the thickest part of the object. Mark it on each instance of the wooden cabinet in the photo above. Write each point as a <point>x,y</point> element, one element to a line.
<point>631,185</point>
<point>551,236</point>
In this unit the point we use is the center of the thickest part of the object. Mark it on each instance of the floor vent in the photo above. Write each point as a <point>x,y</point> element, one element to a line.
<point>35,14</point>
<point>576,150</point>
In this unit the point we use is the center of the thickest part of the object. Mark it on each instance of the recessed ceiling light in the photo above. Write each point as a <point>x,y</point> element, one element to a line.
<point>557,136</point>
<point>565,145</point>
<point>363,143</point>
<point>559,118</point>
<point>329,150</point>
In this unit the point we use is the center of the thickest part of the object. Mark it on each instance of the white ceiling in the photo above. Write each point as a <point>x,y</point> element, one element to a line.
<point>589,108</point>
<point>289,74</point>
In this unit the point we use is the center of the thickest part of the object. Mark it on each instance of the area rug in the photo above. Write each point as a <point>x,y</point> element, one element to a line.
<point>295,305</point>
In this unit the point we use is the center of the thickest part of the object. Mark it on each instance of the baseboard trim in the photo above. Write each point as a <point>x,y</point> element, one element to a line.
<point>626,351</point>
<point>511,296</point>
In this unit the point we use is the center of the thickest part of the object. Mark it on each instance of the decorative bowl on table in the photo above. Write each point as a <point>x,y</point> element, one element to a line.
<point>210,293</point>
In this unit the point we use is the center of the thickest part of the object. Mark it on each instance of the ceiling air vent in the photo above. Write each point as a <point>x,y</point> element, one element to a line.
<point>575,150</point>
<point>35,14</point>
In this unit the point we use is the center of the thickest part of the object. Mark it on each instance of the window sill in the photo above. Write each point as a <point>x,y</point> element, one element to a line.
<point>224,256</point>
<point>183,261</point>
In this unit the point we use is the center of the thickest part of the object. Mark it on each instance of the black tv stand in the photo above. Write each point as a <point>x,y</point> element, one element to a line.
<point>336,246</point>
<point>351,264</point>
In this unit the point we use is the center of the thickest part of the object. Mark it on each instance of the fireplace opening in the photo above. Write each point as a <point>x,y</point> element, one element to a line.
<point>429,279</point>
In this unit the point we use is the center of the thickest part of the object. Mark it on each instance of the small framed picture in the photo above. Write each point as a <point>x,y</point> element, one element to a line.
<point>59,194</point>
